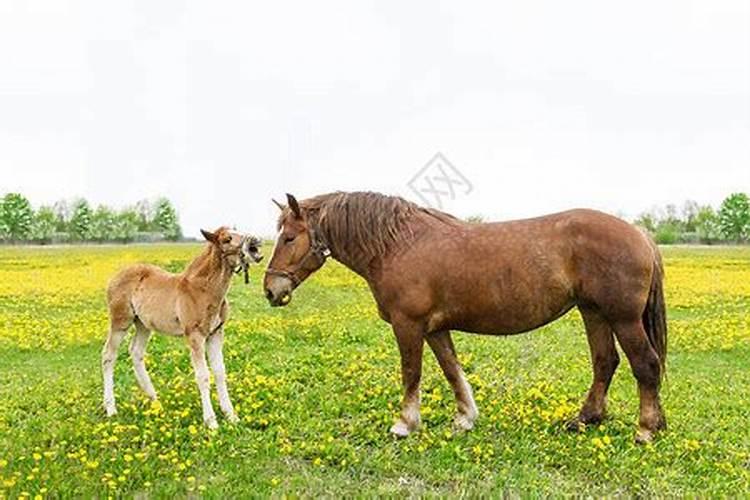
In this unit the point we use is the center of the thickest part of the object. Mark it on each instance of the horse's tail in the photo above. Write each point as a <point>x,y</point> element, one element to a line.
<point>655,314</point>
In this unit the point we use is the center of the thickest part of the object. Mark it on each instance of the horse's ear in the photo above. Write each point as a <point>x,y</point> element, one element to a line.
<point>294,205</point>
<point>281,207</point>
<point>209,235</point>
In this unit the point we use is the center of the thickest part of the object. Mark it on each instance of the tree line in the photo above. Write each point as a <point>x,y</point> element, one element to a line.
<point>694,223</point>
<point>76,222</point>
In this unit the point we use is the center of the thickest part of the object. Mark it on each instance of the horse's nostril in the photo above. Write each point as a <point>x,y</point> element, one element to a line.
<point>269,294</point>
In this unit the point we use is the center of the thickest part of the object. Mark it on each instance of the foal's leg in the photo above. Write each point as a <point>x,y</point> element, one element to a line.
<point>647,369</point>
<point>109,356</point>
<point>214,346</point>
<point>410,344</point>
<point>198,356</point>
<point>137,353</point>
<point>442,346</point>
<point>604,359</point>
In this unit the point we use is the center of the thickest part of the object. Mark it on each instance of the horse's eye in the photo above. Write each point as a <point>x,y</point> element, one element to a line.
<point>289,239</point>
<point>253,249</point>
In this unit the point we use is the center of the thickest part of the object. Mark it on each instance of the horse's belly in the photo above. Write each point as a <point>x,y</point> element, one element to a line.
<point>508,318</point>
<point>157,315</point>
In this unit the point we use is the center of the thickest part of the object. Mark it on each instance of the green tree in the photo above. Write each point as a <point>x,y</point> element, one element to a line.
<point>126,225</point>
<point>145,213</point>
<point>16,216</point>
<point>44,225</point>
<point>103,224</point>
<point>648,221</point>
<point>80,221</point>
<point>62,216</point>
<point>165,220</point>
<point>707,224</point>
<point>689,213</point>
<point>475,219</point>
<point>734,217</point>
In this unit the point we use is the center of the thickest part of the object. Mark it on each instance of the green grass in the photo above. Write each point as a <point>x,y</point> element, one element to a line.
<point>317,387</point>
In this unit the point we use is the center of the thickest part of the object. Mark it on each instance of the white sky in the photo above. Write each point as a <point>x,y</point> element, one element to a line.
<point>542,105</point>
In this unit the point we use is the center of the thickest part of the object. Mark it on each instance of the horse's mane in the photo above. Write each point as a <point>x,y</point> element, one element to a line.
<point>363,225</point>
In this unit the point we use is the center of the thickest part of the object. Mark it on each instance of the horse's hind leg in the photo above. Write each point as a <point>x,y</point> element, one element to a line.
<point>647,370</point>
<point>604,360</point>
<point>137,353</point>
<point>442,346</point>
<point>109,356</point>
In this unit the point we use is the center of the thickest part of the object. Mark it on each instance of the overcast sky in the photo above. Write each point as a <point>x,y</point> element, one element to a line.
<point>541,105</point>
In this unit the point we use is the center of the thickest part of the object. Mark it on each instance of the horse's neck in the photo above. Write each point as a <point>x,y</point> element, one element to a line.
<point>357,260</point>
<point>210,269</point>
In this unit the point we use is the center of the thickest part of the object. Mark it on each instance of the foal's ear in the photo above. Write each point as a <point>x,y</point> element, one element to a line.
<point>281,207</point>
<point>294,205</point>
<point>209,236</point>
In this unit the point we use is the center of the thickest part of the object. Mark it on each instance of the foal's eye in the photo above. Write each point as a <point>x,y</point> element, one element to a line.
<point>289,239</point>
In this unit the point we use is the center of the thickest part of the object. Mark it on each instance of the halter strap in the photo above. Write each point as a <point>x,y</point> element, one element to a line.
<point>317,249</point>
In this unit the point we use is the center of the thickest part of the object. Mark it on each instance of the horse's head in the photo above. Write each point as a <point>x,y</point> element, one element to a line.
<point>298,253</point>
<point>238,250</point>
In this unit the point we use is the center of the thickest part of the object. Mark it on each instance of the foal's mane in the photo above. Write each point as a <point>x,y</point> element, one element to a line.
<point>363,225</point>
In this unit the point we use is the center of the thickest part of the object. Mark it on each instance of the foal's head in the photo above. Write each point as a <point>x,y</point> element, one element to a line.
<point>238,250</point>
<point>298,253</point>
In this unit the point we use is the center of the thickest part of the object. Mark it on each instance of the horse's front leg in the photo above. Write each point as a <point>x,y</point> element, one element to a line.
<point>442,346</point>
<point>410,344</point>
<point>197,342</point>
<point>214,348</point>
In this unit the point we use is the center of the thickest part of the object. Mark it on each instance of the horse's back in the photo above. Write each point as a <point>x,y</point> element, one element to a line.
<point>128,279</point>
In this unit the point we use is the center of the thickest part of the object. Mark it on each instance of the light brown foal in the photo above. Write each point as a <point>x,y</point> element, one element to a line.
<point>191,304</point>
<point>431,273</point>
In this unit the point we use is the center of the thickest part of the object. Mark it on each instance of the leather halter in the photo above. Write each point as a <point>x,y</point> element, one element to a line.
<point>318,250</point>
<point>244,264</point>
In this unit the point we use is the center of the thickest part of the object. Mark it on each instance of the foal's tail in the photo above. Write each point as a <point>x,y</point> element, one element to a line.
<point>655,314</point>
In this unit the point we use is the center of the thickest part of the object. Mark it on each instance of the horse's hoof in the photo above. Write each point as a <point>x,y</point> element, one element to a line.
<point>211,423</point>
<point>575,425</point>
<point>400,429</point>
<point>232,418</point>
<point>644,436</point>
<point>463,422</point>
<point>111,411</point>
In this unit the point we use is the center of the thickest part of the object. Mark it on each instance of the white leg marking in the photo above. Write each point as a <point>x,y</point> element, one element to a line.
<point>198,357</point>
<point>467,408</point>
<point>410,417</point>
<point>109,356</point>
<point>214,349</point>
<point>137,353</point>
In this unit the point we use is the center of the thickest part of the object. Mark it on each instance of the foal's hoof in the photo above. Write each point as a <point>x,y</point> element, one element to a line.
<point>401,429</point>
<point>111,411</point>
<point>232,418</point>
<point>644,436</point>
<point>463,422</point>
<point>211,423</point>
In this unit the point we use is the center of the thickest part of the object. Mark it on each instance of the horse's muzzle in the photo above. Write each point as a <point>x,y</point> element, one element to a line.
<point>278,291</point>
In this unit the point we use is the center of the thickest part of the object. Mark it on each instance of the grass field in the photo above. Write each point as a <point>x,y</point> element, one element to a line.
<point>317,386</point>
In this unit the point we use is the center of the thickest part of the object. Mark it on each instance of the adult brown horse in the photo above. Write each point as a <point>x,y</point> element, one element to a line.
<point>431,273</point>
